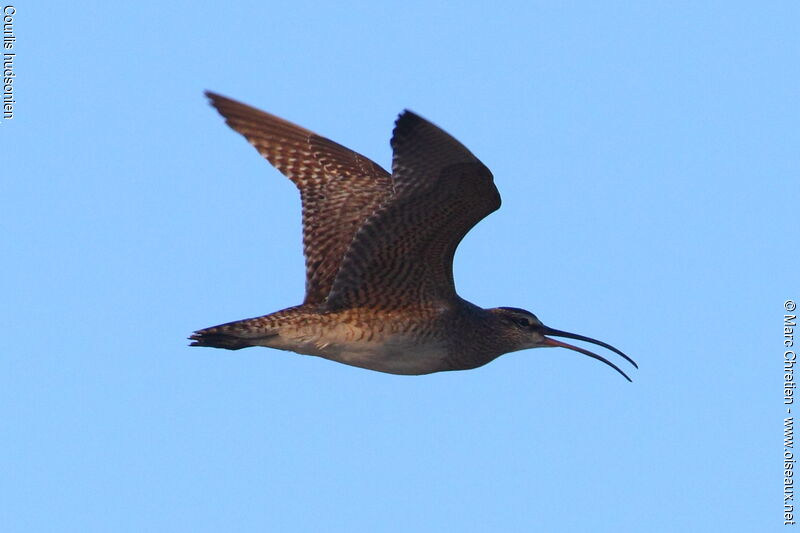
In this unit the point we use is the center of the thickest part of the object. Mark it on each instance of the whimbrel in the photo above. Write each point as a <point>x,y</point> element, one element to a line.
<point>379,254</point>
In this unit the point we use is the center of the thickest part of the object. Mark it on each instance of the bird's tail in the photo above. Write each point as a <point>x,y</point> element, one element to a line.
<point>236,335</point>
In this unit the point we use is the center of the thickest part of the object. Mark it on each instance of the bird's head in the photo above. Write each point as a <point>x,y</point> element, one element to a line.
<point>523,330</point>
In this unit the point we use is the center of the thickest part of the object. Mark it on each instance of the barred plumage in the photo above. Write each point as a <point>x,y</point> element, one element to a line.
<point>379,253</point>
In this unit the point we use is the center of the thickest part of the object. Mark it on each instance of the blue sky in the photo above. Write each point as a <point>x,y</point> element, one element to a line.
<point>647,156</point>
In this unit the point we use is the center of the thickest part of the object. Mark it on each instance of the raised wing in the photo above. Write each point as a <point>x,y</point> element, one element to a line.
<point>338,187</point>
<point>403,254</point>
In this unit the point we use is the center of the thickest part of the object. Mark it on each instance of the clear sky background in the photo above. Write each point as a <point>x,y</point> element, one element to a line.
<point>648,159</point>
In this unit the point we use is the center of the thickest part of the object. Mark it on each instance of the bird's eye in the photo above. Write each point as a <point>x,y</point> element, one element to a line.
<point>524,322</point>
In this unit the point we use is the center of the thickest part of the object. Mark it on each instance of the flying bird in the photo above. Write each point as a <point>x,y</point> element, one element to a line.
<point>379,249</point>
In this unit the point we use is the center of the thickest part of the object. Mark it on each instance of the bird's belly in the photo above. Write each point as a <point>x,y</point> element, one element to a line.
<point>396,354</point>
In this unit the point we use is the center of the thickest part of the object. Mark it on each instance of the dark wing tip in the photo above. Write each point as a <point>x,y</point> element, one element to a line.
<point>406,123</point>
<point>413,129</point>
<point>406,115</point>
<point>223,103</point>
<point>236,113</point>
<point>214,99</point>
<point>226,106</point>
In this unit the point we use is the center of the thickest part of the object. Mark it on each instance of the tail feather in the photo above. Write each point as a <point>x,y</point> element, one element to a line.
<point>233,335</point>
<point>218,340</point>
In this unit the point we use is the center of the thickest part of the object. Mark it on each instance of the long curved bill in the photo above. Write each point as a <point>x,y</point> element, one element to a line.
<point>559,333</point>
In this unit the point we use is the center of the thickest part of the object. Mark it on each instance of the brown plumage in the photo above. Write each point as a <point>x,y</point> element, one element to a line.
<point>339,188</point>
<point>379,253</point>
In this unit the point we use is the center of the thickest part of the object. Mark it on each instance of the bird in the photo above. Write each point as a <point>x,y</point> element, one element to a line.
<point>379,248</point>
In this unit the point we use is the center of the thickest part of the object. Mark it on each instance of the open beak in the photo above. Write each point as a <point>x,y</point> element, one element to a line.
<point>558,333</point>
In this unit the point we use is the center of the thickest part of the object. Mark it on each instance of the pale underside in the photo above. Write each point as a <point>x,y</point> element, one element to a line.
<point>355,345</point>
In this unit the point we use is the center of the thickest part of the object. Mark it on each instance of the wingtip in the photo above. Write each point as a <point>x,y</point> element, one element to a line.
<point>408,112</point>
<point>407,121</point>
<point>219,102</point>
<point>215,99</point>
<point>407,116</point>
